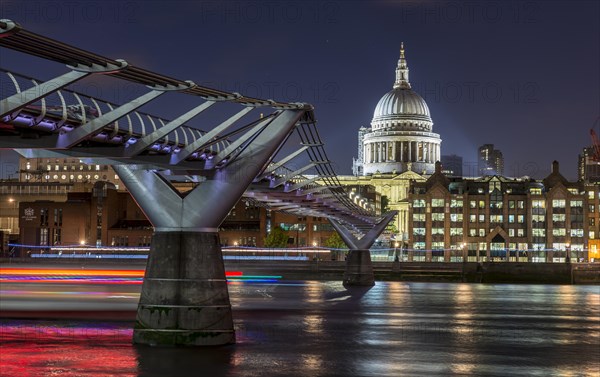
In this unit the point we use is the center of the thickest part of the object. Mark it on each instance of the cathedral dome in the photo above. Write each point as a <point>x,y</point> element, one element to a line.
<point>401,136</point>
<point>401,104</point>
<point>402,108</point>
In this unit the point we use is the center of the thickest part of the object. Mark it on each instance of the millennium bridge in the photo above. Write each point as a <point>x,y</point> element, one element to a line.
<point>249,153</point>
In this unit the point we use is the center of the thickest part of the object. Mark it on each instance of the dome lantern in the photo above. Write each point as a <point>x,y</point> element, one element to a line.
<point>402,71</point>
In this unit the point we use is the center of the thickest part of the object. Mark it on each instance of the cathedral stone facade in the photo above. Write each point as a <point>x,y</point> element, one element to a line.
<point>399,146</point>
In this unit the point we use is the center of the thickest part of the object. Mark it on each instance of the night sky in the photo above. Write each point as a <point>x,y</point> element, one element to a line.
<point>521,75</point>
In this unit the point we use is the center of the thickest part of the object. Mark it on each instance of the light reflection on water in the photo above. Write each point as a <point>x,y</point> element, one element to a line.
<point>320,328</point>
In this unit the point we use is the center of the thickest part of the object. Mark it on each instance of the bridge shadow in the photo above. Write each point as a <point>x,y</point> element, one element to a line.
<point>350,294</point>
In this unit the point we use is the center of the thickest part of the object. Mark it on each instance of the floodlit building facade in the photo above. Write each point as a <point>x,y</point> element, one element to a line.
<point>397,147</point>
<point>501,219</point>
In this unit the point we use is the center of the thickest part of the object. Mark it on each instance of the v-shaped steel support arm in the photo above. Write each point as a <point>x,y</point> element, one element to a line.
<point>366,241</point>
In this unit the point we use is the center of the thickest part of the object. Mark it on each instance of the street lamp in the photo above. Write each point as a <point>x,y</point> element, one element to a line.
<point>568,252</point>
<point>396,244</point>
<point>463,247</point>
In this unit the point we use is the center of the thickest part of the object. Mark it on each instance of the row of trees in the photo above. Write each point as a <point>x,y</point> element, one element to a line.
<point>278,238</point>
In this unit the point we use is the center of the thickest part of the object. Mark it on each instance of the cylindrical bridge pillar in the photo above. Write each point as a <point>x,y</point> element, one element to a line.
<point>359,269</point>
<point>184,298</point>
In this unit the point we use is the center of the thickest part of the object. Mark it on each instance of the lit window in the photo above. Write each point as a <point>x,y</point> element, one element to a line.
<point>538,232</point>
<point>437,245</point>
<point>456,217</point>
<point>437,217</point>
<point>576,232</point>
<point>481,232</point>
<point>558,203</point>
<point>521,219</point>
<point>418,217</point>
<point>419,245</point>
<point>511,232</point>
<point>456,231</point>
<point>538,204</point>
<point>537,218</point>
<point>437,202</point>
<point>456,203</point>
<point>520,232</point>
<point>419,231</point>
<point>418,203</point>
<point>511,219</point>
<point>591,194</point>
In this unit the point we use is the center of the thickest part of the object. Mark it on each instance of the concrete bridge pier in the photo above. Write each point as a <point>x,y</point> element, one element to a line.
<point>184,298</point>
<point>359,268</point>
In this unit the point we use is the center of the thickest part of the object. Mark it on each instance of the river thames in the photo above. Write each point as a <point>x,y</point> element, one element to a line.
<point>310,328</point>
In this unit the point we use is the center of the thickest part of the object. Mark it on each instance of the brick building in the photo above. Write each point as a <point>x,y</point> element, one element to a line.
<point>502,219</point>
<point>105,216</point>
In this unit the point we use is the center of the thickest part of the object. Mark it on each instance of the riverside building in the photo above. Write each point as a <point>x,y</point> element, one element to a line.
<point>502,219</point>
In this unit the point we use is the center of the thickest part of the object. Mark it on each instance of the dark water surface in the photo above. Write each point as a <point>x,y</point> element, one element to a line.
<point>322,329</point>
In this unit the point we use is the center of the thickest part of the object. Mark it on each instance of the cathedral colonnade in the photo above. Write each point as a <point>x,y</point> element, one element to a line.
<point>401,151</point>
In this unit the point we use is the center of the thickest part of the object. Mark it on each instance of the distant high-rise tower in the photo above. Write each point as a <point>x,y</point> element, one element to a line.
<point>452,165</point>
<point>357,163</point>
<point>588,168</point>
<point>490,161</point>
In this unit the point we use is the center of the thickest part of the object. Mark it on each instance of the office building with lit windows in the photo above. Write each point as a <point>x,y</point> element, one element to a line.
<point>452,165</point>
<point>503,219</point>
<point>588,167</point>
<point>490,160</point>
